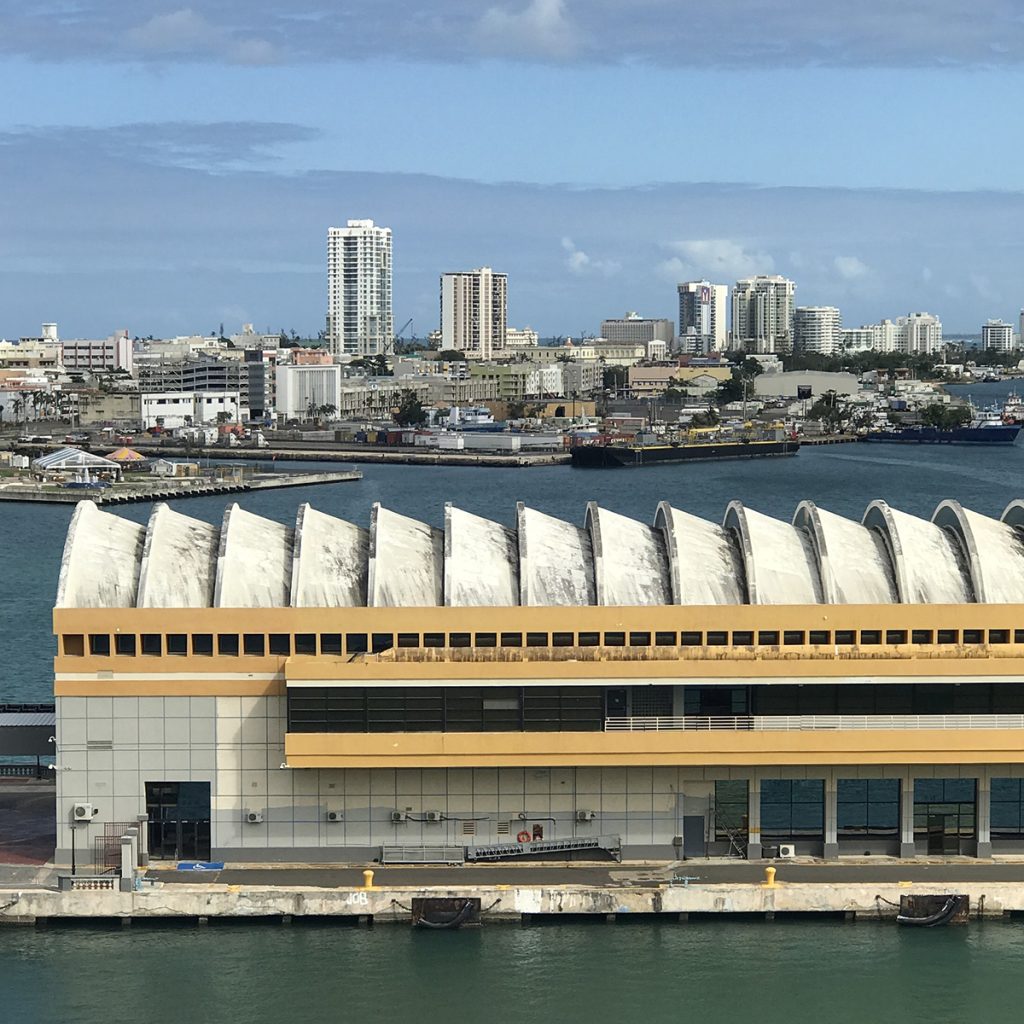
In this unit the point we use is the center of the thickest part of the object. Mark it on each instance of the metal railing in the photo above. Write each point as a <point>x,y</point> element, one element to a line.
<point>410,854</point>
<point>799,723</point>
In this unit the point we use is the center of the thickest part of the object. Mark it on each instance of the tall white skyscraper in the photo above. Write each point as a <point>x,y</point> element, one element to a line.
<point>817,329</point>
<point>702,317</point>
<point>359,319</point>
<point>762,314</point>
<point>474,312</point>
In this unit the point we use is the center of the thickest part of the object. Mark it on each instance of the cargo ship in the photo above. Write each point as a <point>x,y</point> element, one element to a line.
<point>995,434</point>
<point>616,456</point>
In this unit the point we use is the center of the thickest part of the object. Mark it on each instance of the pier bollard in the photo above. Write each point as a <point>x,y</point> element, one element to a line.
<point>367,879</point>
<point>769,877</point>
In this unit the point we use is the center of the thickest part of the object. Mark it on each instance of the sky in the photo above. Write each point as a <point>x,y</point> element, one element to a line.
<point>171,167</point>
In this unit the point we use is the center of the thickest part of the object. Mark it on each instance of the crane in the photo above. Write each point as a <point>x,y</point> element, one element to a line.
<point>398,335</point>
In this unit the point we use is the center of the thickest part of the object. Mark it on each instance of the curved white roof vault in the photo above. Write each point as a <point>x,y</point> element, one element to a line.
<point>406,567</point>
<point>248,561</point>
<point>179,561</point>
<point>994,552</point>
<point>329,566</point>
<point>705,565</point>
<point>630,563</point>
<point>101,561</point>
<point>481,561</point>
<point>929,562</point>
<point>254,564</point>
<point>778,559</point>
<point>853,561</point>
<point>556,561</point>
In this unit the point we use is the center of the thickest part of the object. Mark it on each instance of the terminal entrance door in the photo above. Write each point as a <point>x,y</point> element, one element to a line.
<point>942,834</point>
<point>179,820</point>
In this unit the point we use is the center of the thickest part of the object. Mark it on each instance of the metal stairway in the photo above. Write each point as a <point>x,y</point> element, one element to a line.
<point>506,851</point>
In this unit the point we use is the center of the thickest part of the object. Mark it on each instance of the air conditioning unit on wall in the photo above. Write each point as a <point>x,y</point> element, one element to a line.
<point>254,816</point>
<point>83,812</point>
<point>432,815</point>
<point>787,851</point>
<point>582,816</point>
<point>335,816</point>
<point>398,817</point>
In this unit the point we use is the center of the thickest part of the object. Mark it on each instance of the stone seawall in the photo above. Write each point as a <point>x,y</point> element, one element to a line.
<point>498,902</point>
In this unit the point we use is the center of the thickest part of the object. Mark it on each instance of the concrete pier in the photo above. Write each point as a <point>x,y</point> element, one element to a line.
<point>157,489</point>
<point>512,903</point>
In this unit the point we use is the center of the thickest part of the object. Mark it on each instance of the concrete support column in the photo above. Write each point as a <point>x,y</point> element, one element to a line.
<point>983,814</point>
<point>127,864</point>
<point>754,818</point>
<point>907,815</point>
<point>831,811</point>
<point>143,826</point>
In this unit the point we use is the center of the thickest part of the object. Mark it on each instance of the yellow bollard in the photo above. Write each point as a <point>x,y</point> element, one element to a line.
<point>367,879</point>
<point>769,877</point>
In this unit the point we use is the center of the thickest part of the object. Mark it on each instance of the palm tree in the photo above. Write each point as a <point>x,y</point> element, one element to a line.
<point>311,410</point>
<point>19,408</point>
<point>327,411</point>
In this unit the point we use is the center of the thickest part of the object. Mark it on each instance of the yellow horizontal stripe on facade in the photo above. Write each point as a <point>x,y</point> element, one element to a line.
<point>135,687</point>
<point>596,749</point>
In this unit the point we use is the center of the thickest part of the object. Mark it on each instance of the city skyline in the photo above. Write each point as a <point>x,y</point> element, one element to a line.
<point>200,195</point>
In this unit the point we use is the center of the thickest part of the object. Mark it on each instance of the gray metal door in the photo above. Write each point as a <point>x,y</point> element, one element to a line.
<point>693,836</point>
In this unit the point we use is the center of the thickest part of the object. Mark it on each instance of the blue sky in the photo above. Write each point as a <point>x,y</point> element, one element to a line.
<point>167,168</point>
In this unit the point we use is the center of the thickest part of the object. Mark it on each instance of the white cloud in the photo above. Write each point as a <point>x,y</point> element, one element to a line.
<point>717,259</point>
<point>542,28</point>
<point>580,263</point>
<point>185,31</point>
<point>850,268</point>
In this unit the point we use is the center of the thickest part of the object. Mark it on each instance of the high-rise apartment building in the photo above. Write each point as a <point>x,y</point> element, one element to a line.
<point>702,317</point>
<point>474,312</point>
<point>918,334</point>
<point>817,330</point>
<point>762,314</point>
<point>359,318</point>
<point>998,336</point>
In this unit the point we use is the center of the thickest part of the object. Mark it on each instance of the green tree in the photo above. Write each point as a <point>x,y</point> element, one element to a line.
<point>451,355</point>
<point>410,409</point>
<point>945,417</point>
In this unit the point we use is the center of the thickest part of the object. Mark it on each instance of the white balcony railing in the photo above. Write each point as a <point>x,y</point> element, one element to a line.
<point>799,723</point>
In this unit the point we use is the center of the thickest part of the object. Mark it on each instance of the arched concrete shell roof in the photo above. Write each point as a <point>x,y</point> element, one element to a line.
<point>778,558</point>
<point>630,565</point>
<point>329,567</point>
<point>481,561</point>
<point>101,562</point>
<point>406,562</point>
<point>994,552</point>
<point>556,561</point>
<point>179,561</point>
<point>852,560</point>
<point>705,566</point>
<point>254,564</point>
<point>929,562</point>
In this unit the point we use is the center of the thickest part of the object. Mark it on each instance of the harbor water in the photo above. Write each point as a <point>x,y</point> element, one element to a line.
<point>841,478</point>
<point>777,973</point>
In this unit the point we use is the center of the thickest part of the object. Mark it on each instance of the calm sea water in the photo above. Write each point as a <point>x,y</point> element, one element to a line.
<point>777,973</point>
<point>842,478</point>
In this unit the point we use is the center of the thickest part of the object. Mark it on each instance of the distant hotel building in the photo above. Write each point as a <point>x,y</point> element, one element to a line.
<point>474,312</point>
<point>998,336</point>
<point>702,316</point>
<point>634,329</point>
<point>762,314</point>
<point>817,330</point>
<point>359,318</point>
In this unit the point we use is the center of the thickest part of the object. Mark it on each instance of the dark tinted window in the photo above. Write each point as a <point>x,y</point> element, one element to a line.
<point>152,643</point>
<point>125,643</point>
<point>99,644</point>
<point>202,644</point>
<point>254,644</point>
<point>177,643</point>
<point>280,643</point>
<point>227,644</point>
